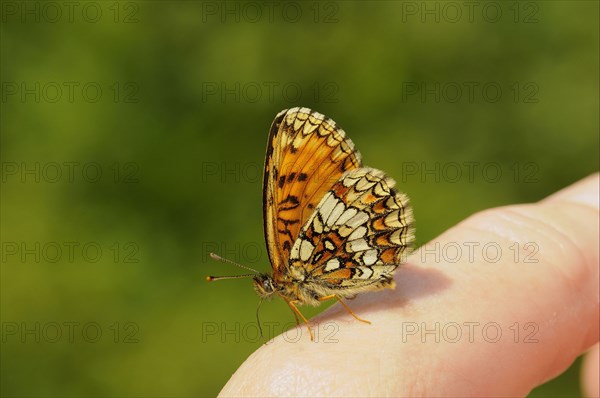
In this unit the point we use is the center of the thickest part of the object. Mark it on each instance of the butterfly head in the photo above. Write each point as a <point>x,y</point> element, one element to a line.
<point>263,284</point>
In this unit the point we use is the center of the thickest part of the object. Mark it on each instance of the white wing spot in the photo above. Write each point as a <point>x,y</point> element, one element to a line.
<point>349,181</point>
<point>359,232</point>
<point>364,184</point>
<point>370,257</point>
<point>348,214</point>
<point>381,190</point>
<point>332,264</point>
<point>393,220</point>
<point>396,237</point>
<point>306,249</point>
<point>298,124</point>
<point>295,252</point>
<point>329,245</point>
<point>316,118</point>
<point>317,225</point>
<point>327,205</point>
<point>366,273</point>
<point>309,128</point>
<point>391,203</point>
<point>335,213</point>
<point>360,218</point>
<point>358,245</point>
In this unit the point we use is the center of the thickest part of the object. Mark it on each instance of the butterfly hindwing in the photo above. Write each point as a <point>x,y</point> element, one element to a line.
<point>307,154</point>
<point>359,233</point>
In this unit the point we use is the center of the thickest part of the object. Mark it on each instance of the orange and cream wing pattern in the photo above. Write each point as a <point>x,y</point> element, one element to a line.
<point>307,154</point>
<point>359,233</point>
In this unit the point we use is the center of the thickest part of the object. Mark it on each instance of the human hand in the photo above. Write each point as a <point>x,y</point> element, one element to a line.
<point>547,312</point>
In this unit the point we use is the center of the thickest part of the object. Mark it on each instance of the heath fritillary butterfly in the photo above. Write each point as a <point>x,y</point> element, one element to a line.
<point>333,227</point>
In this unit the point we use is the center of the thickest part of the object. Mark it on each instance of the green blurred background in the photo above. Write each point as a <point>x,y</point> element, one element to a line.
<point>133,136</point>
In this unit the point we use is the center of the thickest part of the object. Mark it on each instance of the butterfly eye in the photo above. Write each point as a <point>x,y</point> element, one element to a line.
<point>267,285</point>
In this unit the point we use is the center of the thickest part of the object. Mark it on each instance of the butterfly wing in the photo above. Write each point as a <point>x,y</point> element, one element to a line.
<point>359,233</point>
<point>307,153</point>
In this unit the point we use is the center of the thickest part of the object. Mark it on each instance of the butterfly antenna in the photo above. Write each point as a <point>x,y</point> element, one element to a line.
<point>219,258</point>
<point>216,278</point>
<point>258,319</point>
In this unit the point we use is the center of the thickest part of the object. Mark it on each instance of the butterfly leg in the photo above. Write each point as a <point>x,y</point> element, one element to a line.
<point>297,319</point>
<point>345,306</point>
<point>297,312</point>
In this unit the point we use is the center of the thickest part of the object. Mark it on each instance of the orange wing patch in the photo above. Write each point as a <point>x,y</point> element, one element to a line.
<point>306,155</point>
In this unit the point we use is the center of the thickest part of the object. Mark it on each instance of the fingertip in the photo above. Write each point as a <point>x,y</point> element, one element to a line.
<point>585,191</point>
<point>589,373</point>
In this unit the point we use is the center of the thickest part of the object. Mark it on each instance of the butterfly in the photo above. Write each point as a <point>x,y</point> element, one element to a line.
<point>333,227</point>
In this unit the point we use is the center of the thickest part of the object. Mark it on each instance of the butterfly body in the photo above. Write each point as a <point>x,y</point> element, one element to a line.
<point>306,291</point>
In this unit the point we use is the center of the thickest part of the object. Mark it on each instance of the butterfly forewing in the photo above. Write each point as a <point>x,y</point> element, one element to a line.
<point>306,155</point>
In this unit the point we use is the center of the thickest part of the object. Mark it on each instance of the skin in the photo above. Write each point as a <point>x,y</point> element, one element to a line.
<point>555,298</point>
